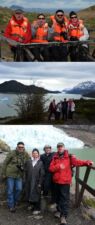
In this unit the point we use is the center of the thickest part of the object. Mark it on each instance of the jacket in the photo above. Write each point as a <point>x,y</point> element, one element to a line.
<point>64,176</point>
<point>58,30</point>
<point>14,164</point>
<point>76,31</point>
<point>33,178</point>
<point>17,30</point>
<point>40,34</point>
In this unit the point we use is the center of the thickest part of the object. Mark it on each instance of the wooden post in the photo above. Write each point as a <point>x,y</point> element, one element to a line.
<point>83,186</point>
<point>77,186</point>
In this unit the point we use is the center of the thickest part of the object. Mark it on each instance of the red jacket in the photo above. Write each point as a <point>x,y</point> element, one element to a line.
<point>64,176</point>
<point>16,29</point>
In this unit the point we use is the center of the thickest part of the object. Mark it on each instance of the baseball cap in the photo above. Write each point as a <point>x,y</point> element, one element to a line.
<point>60,144</point>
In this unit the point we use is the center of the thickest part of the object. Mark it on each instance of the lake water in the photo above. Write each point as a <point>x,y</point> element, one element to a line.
<point>8,108</point>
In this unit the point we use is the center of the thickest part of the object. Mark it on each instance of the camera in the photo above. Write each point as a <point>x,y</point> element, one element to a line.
<point>64,35</point>
<point>20,167</point>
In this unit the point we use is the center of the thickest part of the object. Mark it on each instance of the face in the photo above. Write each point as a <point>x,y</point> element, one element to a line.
<point>20,148</point>
<point>18,16</point>
<point>60,148</point>
<point>59,16</point>
<point>47,150</point>
<point>41,20</point>
<point>74,18</point>
<point>35,154</point>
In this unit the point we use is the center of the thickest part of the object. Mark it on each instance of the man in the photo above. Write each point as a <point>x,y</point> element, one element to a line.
<point>64,109</point>
<point>18,29</point>
<point>77,32</point>
<point>40,35</point>
<point>60,167</point>
<point>48,185</point>
<point>13,171</point>
<point>59,30</point>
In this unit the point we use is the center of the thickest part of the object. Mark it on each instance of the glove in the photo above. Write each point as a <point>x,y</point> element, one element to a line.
<point>89,163</point>
<point>64,35</point>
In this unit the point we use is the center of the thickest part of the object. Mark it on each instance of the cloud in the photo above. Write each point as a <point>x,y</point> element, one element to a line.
<point>49,4</point>
<point>53,76</point>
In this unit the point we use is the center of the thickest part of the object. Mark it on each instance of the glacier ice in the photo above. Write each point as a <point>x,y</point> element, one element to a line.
<point>36,136</point>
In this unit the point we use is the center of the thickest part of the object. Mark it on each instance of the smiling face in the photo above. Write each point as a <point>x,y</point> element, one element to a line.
<point>74,18</point>
<point>35,154</point>
<point>20,148</point>
<point>18,16</point>
<point>59,16</point>
<point>41,20</point>
<point>60,148</point>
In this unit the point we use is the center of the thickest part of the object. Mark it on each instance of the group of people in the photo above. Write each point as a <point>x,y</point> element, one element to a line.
<point>62,110</point>
<point>57,28</point>
<point>47,174</point>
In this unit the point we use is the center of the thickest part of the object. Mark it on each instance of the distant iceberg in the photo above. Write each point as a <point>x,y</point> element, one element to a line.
<point>36,136</point>
<point>4,99</point>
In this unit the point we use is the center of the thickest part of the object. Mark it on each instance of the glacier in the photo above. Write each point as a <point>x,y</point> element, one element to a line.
<point>36,136</point>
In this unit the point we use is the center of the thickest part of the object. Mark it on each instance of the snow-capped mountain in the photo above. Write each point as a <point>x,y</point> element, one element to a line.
<point>82,88</point>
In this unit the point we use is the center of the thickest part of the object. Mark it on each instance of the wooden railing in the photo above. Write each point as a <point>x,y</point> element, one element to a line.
<point>27,48</point>
<point>84,186</point>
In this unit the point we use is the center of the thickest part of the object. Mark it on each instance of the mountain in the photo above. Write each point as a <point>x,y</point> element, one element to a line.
<point>39,10</point>
<point>82,88</point>
<point>90,94</point>
<point>13,86</point>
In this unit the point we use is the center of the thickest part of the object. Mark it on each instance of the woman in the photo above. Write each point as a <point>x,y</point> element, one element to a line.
<point>34,174</point>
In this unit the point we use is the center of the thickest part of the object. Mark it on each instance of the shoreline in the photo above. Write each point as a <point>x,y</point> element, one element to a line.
<point>86,134</point>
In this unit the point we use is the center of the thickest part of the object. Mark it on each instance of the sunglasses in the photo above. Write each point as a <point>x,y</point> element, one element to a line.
<point>60,15</point>
<point>41,18</point>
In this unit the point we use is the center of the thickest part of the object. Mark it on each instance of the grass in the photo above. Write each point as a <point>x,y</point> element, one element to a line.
<point>90,202</point>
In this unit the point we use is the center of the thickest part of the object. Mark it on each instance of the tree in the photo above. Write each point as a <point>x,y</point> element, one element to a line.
<point>31,107</point>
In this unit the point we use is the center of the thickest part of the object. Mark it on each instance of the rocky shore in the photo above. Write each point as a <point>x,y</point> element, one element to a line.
<point>85,133</point>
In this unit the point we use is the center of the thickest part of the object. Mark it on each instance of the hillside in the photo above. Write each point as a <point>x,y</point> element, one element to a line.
<point>90,94</point>
<point>87,14</point>
<point>17,87</point>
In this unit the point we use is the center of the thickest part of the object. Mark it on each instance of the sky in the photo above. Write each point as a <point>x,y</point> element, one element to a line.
<point>49,4</point>
<point>51,76</point>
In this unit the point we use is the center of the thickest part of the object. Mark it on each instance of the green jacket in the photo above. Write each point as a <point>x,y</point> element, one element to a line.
<point>14,164</point>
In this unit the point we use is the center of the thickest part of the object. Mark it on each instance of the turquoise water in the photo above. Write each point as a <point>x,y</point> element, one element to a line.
<point>89,154</point>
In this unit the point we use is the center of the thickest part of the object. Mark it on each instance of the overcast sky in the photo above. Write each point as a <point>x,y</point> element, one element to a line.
<point>49,4</point>
<point>52,76</point>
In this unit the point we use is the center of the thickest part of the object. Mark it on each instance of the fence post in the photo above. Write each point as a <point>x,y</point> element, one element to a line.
<point>77,185</point>
<point>83,186</point>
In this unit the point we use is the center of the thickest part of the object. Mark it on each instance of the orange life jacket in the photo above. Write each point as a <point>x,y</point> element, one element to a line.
<point>76,31</point>
<point>41,34</point>
<point>58,29</point>
<point>19,30</point>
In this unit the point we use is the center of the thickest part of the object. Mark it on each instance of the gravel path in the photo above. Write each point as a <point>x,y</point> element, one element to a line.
<point>22,217</point>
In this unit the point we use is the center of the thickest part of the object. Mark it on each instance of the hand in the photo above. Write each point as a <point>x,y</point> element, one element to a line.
<point>35,24</point>
<point>3,177</point>
<point>62,166</point>
<point>90,163</point>
<point>20,39</point>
